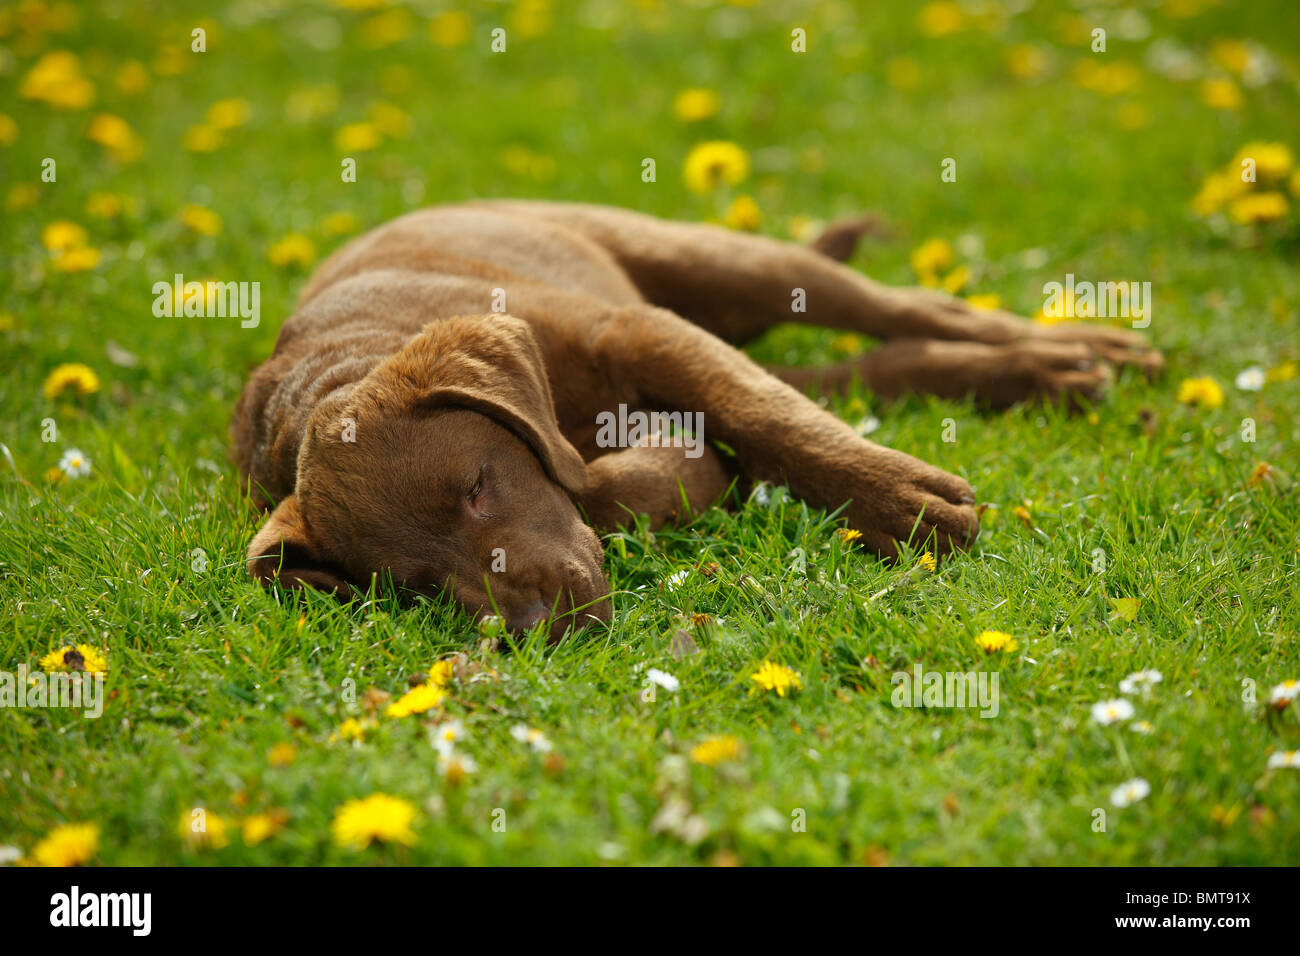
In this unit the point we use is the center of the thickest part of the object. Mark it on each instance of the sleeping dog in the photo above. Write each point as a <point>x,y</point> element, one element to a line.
<point>432,409</point>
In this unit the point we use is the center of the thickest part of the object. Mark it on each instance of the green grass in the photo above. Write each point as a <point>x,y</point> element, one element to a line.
<point>208,672</point>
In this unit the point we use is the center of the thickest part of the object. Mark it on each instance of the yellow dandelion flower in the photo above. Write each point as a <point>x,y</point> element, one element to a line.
<point>990,642</point>
<point>1021,512</point>
<point>201,219</point>
<point>441,672</point>
<point>115,135</point>
<point>1218,189</point>
<point>357,137</point>
<point>1108,79</point>
<point>68,845</point>
<point>79,657</point>
<point>1272,160</point>
<point>22,196</point>
<point>62,235</point>
<point>202,139</point>
<point>1205,392</point>
<point>228,114</point>
<point>743,214</point>
<point>1221,94</point>
<point>416,701</point>
<point>350,729</point>
<point>1258,207</point>
<point>104,205</point>
<point>931,257</point>
<point>717,749</point>
<point>903,73</point>
<point>988,302</point>
<point>777,677</point>
<point>711,164</point>
<point>340,223</point>
<point>293,250</point>
<point>696,104</point>
<point>940,19</point>
<point>8,130</point>
<point>1232,55</point>
<point>378,817</point>
<point>71,376</point>
<point>308,103</point>
<point>201,829</point>
<point>926,561</point>
<point>282,754</point>
<point>1025,61</point>
<point>262,826</point>
<point>79,259</point>
<point>390,120</point>
<point>452,28</point>
<point>1283,373</point>
<point>131,78</point>
<point>848,535</point>
<point>386,28</point>
<point>56,79</point>
<point>956,280</point>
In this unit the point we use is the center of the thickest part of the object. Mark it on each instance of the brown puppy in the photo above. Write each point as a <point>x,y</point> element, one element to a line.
<point>431,409</point>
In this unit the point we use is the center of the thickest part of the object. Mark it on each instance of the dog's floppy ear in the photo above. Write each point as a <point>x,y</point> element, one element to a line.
<point>283,550</point>
<point>492,364</point>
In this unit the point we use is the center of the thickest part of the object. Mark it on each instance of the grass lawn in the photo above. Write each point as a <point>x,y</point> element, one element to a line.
<point>236,701</point>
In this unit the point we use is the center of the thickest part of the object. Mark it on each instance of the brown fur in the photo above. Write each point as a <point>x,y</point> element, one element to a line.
<point>395,392</point>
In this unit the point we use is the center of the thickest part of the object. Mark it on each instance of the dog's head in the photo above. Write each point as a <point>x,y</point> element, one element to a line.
<point>445,467</point>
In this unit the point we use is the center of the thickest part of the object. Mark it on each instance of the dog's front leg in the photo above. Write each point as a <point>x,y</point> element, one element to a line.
<point>666,483</point>
<point>779,435</point>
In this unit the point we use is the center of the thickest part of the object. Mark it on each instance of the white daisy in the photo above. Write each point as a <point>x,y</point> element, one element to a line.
<point>1251,379</point>
<point>676,579</point>
<point>1107,712</point>
<point>1130,792</point>
<point>74,464</point>
<point>665,680</point>
<point>1140,681</point>
<point>1284,693</point>
<point>1284,758</point>
<point>530,736</point>
<point>446,736</point>
<point>1140,726</point>
<point>456,765</point>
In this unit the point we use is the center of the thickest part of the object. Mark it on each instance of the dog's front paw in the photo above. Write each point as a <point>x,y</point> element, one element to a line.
<point>1120,347</point>
<point>903,500</point>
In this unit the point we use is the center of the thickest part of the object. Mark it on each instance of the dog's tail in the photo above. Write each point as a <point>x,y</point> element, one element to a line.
<point>840,238</point>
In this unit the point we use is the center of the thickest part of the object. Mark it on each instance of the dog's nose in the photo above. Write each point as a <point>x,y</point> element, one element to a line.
<point>530,616</point>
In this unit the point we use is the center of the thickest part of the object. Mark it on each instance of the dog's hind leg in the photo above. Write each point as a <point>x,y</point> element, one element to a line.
<point>996,376</point>
<point>737,286</point>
